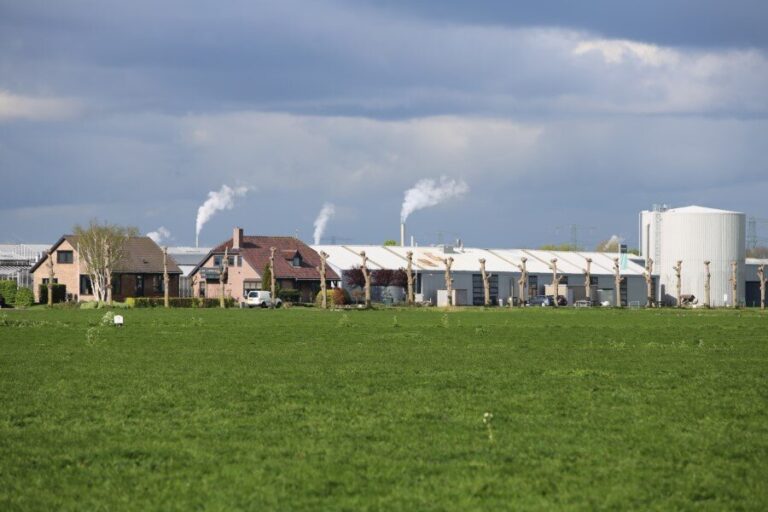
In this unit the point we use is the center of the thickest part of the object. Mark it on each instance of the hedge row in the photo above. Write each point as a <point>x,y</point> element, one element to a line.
<point>177,302</point>
<point>12,295</point>
<point>59,293</point>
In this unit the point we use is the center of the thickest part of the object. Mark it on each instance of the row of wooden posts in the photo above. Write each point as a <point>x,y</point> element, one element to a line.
<point>486,277</point>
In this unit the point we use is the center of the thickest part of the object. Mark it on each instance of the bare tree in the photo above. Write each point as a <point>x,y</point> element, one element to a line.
<point>448,281</point>
<point>763,280</point>
<point>734,283</point>
<point>486,283</point>
<point>523,281</point>
<point>678,268</point>
<point>588,279</point>
<point>707,287</point>
<point>555,279</point>
<point>648,276</point>
<point>223,277</point>
<point>51,276</point>
<point>101,248</point>
<point>617,278</point>
<point>321,269</point>
<point>166,280</point>
<point>272,287</point>
<point>409,277</point>
<point>367,277</point>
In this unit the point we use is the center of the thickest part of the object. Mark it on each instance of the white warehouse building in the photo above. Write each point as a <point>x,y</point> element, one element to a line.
<point>693,235</point>
<point>502,264</point>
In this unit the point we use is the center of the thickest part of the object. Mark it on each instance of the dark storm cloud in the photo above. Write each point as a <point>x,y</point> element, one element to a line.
<point>133,111</point>
<point>708,23</point>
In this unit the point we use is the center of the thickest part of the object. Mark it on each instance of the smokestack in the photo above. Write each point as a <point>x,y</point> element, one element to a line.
<point>402,234</point>
<point>237,238</point>
<point>412,242</point>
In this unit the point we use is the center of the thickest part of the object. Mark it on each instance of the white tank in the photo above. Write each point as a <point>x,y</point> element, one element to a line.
<point>695,234</point>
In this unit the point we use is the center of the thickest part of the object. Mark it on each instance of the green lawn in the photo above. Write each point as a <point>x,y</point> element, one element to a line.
<point>310,410</point>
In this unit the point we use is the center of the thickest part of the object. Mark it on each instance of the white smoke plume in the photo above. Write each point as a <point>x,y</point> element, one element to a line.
<point>224,199</point>
<point>428,193</point>
<point>322,219</point>
<point>160,235</point>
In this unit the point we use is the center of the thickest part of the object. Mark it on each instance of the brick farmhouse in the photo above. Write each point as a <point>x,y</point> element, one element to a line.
<point>248,256</point>
<point>139,274</point>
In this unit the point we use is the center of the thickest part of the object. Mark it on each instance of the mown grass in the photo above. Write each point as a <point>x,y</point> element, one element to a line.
<point>382,410</point>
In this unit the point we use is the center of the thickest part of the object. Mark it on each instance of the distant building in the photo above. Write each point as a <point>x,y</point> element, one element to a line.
<point>139,274</point>
<point>187,258</point>
<point>16,260</point>
<point>295,267</point>
<point>502,264</point>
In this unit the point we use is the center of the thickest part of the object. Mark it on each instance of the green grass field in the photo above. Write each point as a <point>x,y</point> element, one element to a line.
<point>383,410</point>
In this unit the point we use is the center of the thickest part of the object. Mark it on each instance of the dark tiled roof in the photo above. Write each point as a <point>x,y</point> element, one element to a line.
<point>255,250</point>
<point>142,255</point>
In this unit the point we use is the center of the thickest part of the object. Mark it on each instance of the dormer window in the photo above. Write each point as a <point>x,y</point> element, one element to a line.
<point>296,261</point>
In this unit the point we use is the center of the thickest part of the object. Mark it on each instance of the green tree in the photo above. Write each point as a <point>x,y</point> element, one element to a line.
<point>390,243</point>
<point>266,278</point>
<point>101,248</point>
<point>560,247</point>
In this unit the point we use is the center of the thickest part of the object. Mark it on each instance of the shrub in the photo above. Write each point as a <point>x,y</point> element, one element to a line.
<point>130,302</point>
<point>8,292</point>
<point>178,302</point>
<point>335,297</point>
<point>289,295</point>
<point>59,293</point>
<point>24,298</point>
<point>90,305</point>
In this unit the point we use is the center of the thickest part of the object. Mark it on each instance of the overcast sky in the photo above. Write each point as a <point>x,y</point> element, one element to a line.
<point>566,113</point>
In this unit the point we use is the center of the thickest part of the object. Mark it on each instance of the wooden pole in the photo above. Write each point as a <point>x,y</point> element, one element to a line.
<point>486,284</point>
<point>409,276</point>
<point>222,276</point>
<point>272,287</point>
<point>588,280</point>
<point>324,299</point>
<point>734,284</point>
<point>51,276</point>
<point>678,271</point>
<point>707,287</point>
<point>367,277</point>
<point>648,275</point>
<point>166,293</point>
<point>448,281</point>
<point>617,281</point>
<point>761,276</point>
<point>523,281</point>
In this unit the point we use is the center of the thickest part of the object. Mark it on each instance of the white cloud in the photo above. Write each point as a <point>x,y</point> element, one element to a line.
<point>14,106</point>
<point>346,153</point>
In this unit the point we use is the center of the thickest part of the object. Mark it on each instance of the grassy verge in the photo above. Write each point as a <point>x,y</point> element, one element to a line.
<point>383,410</point>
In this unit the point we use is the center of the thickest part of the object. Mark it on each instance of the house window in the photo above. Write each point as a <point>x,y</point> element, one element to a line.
<point>563,280</point>
<point>139,285</point>
<point>249,286</point>
<point>64,257</point>
<point>230,261</point>
<point>296,262</point>
<point>55,280</point>
<point>117,287</point>
<point>593,280</point>
<point>533,285</point>
<point>85,285</point>
<point>158,284</point>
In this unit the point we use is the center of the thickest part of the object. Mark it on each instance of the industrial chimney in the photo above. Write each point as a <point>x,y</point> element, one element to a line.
<point>402,234</point>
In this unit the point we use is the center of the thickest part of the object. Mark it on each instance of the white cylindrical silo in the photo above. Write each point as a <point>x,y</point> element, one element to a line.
<point>693,235</point>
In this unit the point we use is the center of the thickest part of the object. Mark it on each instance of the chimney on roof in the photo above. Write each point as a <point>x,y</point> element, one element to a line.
<point>237,238</point>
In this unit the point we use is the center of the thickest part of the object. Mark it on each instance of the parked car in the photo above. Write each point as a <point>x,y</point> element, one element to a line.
<point>540,300</point>
<point>547,300</point>
<point>262,299</point>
